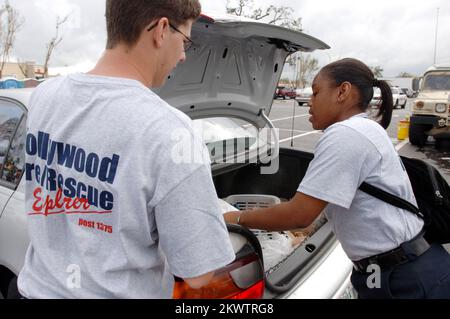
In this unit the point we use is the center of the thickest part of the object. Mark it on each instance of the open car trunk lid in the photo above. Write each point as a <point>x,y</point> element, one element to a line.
<point>233,68</point>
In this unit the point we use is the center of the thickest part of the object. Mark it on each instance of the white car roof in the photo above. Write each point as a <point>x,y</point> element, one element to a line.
<point>21,95</point>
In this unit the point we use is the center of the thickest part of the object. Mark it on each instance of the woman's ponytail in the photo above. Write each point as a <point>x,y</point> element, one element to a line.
<point>387,104</point>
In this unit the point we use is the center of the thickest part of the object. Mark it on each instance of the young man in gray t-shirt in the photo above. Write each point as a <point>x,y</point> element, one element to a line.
<point>113,212</point>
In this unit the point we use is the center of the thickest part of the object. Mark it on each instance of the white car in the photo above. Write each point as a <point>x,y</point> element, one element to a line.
<point>399,97</point>
<point>376,99</point>
<point>227,87</point>
<point>304,96</point>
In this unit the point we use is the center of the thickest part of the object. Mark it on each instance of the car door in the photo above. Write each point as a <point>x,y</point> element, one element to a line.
<point>12,161</point>
<point>12,152</point>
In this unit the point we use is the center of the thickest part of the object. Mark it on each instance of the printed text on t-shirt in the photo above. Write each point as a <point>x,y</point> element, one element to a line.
<point>57,194</point>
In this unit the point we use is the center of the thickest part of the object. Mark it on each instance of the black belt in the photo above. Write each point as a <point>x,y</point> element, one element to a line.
<point>400,255</point>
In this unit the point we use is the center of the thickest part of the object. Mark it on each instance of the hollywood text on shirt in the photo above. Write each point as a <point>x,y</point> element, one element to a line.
<point>57,194</point>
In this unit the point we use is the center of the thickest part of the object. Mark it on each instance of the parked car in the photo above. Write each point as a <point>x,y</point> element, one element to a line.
<point>304,96</point>
<point>376,99</point>
<point>284,92</point>
<point>230,98</point>
<point>399,97</point>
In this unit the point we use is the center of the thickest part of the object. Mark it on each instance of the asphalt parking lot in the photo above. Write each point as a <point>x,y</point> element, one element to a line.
<point>296,131</point>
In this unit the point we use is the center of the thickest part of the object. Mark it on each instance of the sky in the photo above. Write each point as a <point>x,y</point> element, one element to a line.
<point>398,35</point>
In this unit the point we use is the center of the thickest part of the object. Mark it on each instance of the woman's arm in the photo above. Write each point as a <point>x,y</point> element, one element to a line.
<point>299,212</point>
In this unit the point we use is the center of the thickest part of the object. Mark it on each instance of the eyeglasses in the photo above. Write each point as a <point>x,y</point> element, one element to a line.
<point>187,43</point>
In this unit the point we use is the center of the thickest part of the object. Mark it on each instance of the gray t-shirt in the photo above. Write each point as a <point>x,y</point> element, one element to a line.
<point>119,193</point>
<point>349,153</point>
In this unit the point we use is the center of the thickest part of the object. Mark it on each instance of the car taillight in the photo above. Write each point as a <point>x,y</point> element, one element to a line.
<point>242,279</point>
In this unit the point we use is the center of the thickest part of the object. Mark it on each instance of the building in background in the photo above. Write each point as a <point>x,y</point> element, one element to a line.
<point>25,70</point>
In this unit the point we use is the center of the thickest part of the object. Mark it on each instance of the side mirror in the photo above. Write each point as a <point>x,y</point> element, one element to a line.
<point>416,84</point>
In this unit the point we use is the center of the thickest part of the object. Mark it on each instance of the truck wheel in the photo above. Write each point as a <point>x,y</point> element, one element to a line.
<point>396,104</point>
<point>417,134</point>
<point>443,144</point>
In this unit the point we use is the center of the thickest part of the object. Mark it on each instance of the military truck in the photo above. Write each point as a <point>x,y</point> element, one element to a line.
<point>431,110</point>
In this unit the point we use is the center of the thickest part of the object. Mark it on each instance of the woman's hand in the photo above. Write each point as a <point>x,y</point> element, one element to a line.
<point>299,212</point>
<point>231,217</point>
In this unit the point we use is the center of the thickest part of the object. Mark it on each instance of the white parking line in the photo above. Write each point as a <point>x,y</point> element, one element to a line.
<point>401,145</point>
<point>297,136</point>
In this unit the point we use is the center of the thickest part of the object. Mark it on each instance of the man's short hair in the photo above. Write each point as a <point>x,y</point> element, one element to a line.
<point>125,19</point>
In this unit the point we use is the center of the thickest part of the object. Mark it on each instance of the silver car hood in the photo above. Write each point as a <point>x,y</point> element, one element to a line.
<point>233,68</point>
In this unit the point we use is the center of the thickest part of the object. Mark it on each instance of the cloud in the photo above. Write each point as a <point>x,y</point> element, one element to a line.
<point>83,34</point>
<point>214,6</point>
<point>396,35</point>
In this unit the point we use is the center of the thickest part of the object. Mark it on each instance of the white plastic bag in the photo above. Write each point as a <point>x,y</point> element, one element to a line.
<point>276,246</point>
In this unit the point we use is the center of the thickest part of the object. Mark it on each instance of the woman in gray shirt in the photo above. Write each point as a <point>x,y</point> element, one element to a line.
<point>375,235</point>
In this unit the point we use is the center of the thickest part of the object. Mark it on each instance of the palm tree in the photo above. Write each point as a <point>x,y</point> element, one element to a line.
<point>377,71</point>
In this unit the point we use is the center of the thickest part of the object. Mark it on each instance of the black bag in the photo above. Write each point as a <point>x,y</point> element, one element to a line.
<point>432,194</point>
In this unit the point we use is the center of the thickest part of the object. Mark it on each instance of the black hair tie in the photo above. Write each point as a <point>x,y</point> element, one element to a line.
<point>376,83</point>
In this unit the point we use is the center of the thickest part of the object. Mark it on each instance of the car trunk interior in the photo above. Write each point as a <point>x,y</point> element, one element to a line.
<point>248,179</point>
